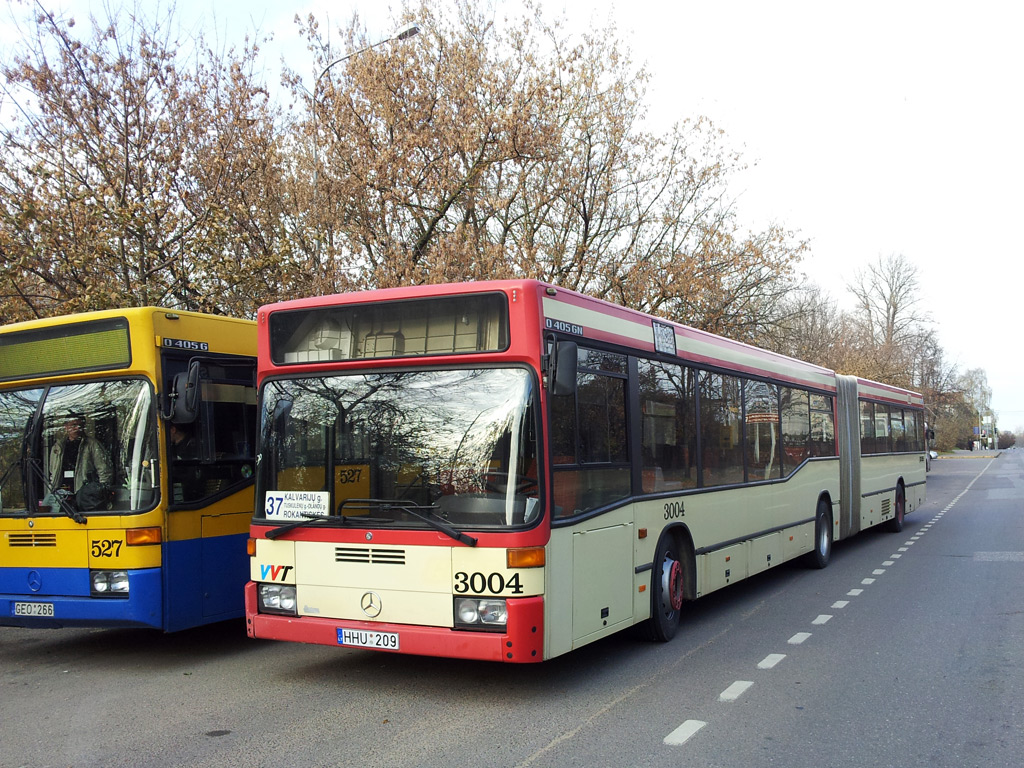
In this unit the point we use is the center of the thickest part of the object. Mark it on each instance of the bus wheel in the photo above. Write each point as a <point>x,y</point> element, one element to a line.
<point>666,592</point>
<point>822,535</point>
<point>895,525</point>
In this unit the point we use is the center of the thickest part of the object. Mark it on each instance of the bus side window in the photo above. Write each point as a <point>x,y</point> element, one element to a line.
<point>215,454</point>
<point>796,428</point>
<point>721,429</point>
<point>867,428</point>
<point>668,426</point>
<point>589,434</point>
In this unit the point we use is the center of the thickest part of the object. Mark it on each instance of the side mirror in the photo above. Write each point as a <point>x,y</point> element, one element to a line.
<point>185,396</point>
<point>565,360</point>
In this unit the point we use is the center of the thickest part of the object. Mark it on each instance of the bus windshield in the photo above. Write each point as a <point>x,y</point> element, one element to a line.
<point>84,448</point>
<point>401,449</point>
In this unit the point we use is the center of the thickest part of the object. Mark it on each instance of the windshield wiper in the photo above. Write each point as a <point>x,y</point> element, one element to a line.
<point>434,521</point>
<point>283,529</point>
<point>424,513</point>
<point>66,507</point>
<point>311,519</point>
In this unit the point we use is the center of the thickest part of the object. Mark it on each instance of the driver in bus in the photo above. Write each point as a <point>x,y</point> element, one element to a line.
<point>77,458</point>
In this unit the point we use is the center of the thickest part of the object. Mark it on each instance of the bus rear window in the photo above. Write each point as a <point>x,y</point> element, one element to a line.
<point>437,326</point>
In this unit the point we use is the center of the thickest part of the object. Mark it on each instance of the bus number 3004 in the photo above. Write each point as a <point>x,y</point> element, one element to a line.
<point>482,583</point>
<point>674,509</point>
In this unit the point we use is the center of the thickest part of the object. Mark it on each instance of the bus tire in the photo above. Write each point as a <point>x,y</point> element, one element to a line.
<point>895,525</point>
<point>822,553</point>
<point>667,591</point>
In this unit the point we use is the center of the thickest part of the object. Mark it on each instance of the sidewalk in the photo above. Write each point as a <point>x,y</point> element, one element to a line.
<point>983,454</point>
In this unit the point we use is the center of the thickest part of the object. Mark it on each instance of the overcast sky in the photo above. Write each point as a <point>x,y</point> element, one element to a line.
<point>871,128</point>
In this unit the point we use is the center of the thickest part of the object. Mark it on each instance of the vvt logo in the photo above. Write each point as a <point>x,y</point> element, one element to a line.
<point>274,572</point>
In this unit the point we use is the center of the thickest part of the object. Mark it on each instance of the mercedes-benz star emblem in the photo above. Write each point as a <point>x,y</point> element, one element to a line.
<point>35,581</point>
<point>371,604</point>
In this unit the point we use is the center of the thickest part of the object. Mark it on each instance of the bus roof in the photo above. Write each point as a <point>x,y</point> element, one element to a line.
<point>590,318</point>
<point>122,340</point>
<point>132,313</point>
<point>888,393</point>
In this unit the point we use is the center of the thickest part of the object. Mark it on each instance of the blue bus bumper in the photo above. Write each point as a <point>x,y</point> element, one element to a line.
<point>67,591</point>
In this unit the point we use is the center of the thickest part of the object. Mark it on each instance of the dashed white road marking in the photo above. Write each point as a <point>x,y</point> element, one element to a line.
<point>689,728</point>
<point>684,732</point>
<point>770,660</point>
<point>735,690</point>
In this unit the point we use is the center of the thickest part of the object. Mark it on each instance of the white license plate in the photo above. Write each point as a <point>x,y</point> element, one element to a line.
<point>33,609</point>
<point>364,638</point>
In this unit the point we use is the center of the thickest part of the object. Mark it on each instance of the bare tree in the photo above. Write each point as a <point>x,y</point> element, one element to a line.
<point>147,168</point>
<point>809,327</point>
<point>888,300</point>
<point>131,174</point>
<point>887,328</point>
<point>489,147</point>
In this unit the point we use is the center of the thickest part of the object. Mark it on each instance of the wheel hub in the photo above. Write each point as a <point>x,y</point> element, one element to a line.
<point>675,585</point>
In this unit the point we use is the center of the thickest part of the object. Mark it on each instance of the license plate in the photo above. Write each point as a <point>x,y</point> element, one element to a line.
<point>33,609</point>
<point>363,638</point>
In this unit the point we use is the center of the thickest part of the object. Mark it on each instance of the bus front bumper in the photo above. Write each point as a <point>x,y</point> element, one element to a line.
<point>60,597</point>
<point>522,643</point>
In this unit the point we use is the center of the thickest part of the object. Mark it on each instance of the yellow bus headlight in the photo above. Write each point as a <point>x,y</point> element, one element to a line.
<point>108,583</point>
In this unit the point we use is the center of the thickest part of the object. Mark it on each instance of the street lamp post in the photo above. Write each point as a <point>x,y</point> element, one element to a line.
<point>403,33</point>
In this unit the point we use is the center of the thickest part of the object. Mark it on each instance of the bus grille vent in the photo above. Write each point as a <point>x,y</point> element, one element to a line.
<point>886,506</point>
<point>369,556</point>
<point>32,539</point>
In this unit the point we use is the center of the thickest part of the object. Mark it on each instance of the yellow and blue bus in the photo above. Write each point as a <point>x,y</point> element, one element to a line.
<point>126,468</point>
<point>509,470</point>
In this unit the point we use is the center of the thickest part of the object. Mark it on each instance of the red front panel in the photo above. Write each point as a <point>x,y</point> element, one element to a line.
<point>523,642</point>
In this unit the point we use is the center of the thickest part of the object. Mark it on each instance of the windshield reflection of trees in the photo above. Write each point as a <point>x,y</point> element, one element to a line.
<point>117,415</point>
<point>17,410</point>
<point>460,441</point>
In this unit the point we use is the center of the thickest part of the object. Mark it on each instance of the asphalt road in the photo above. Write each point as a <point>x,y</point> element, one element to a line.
<point>908,650</point>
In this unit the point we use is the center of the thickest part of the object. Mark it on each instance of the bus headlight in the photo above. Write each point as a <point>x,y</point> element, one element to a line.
<point>108,583</point>
<point>277,598</point>
<point>480,613</point>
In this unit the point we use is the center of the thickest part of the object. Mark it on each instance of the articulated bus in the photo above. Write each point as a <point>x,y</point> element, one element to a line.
<point>508,470</point>
<point>127,444</point>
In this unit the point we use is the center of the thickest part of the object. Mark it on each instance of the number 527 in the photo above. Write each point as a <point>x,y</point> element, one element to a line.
<point>106,547</point>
